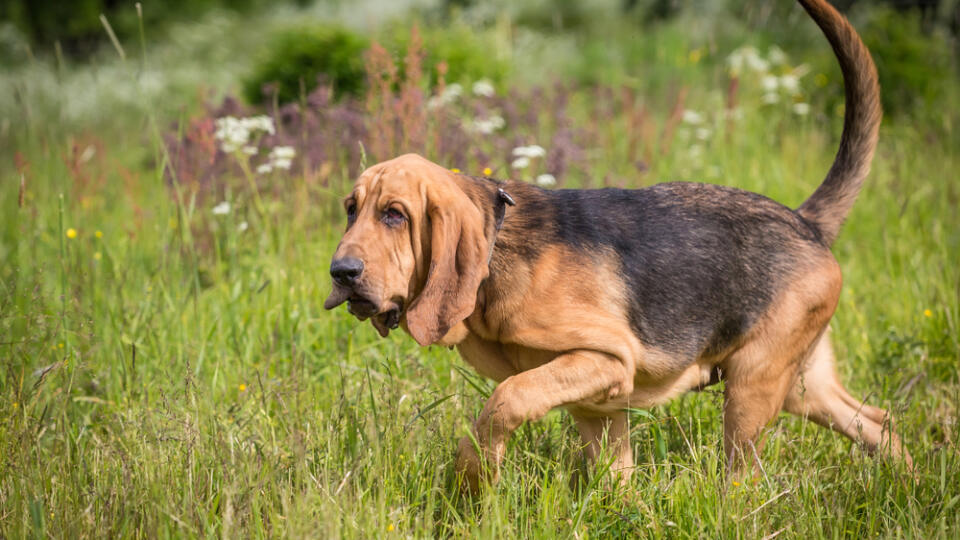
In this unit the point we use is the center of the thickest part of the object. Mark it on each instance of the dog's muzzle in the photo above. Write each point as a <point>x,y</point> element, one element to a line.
<point>346,274</point>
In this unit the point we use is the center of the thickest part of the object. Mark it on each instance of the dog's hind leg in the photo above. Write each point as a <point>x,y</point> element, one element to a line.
<point>752,398</point>
<point>819,396</point>
<point>761,373</point>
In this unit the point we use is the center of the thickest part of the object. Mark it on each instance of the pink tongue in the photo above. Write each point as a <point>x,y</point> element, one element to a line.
<point>337,296</point>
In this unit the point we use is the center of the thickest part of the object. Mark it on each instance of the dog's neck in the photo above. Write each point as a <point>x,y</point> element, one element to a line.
<point>492,199</point>
<point>512,222</point>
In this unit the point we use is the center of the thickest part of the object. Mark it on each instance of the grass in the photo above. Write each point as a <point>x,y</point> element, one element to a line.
<point>165,374</point>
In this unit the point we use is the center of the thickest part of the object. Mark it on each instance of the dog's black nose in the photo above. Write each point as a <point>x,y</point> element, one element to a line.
<point>345,271</point>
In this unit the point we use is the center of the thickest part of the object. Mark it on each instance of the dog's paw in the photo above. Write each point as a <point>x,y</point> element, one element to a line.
<point>468,466</point>
<point>473,470</point>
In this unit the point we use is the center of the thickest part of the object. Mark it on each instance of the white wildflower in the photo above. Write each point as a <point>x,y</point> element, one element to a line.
<point>703,133</point>
<point>776,56</point>
<point>250,150</point>
<point>535,151</point>
<point>487,126</point>
<point>770,98</point>
<point>282,152</point>
<point>770,83</point>
<point>453,90</point>
<point>243,226</point>
<point>692,117</point>
<point>281,157</point>
<point>546,180</point>
<point>484,88</point>
<point>746,58</point>
<point>532,151</point>
<point>790,84</point>
<point>261,123</point>
<point>234,133</point>
<point>801,109</point>
<point>449,95</point>
<point>521,163</point>
<point>756,63</point>
<point>221,209</point>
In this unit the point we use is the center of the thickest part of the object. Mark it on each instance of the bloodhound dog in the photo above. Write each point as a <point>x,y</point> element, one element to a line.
<point>603,300</point>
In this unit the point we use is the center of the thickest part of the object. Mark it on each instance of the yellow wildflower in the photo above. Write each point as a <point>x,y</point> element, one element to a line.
<point>487,171</point>
<point>736,484</point>
<point>71,233</point>
<point>390,527</point>
<point>927,313</point>
<point>242,387</point>
<point>455,170</point>
<point>172,222</point>
<point>695,55</point>
<point>97,256</point>
<point>98,234</point>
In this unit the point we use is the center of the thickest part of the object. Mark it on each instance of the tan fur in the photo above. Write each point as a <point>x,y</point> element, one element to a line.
<point>761,372</point>
<point>819,396</point>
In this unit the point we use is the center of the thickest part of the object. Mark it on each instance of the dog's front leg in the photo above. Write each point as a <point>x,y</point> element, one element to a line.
<point>614,429</point>
<point>574,377</point>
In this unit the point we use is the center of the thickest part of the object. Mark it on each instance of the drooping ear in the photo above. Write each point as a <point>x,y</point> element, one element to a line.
<point>458,264</point>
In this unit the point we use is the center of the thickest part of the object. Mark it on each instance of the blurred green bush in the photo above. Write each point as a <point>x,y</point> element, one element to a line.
<point>470,54</point>
<point>915,67</point>
<point>298,58</point>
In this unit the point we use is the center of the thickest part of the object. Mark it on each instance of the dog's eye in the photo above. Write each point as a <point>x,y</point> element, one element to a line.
<point>351,211</point>
<point>392,217</point>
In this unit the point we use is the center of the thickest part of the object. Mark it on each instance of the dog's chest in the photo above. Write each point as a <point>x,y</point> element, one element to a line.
<point>498,361</point>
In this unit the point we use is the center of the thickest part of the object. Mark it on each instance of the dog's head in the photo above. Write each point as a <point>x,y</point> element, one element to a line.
<point>414,252</point>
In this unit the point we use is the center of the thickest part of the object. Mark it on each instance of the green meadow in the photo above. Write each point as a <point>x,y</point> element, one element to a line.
<point>166,365</point>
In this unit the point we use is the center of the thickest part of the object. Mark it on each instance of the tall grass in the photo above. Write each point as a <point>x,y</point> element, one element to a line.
<point>167,372</point>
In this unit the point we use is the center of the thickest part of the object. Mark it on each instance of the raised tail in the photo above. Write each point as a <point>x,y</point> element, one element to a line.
<point>831,202</point>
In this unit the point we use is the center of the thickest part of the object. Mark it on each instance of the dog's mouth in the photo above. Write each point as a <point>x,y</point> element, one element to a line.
<point>388,319</point>
<point>360,307</point>
<point>384,317</point>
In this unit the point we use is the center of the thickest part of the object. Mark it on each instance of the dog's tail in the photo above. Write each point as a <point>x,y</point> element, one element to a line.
<point>831,202</point>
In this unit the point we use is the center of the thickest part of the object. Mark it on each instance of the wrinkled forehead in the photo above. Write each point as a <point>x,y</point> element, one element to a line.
<point>392,179</point>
